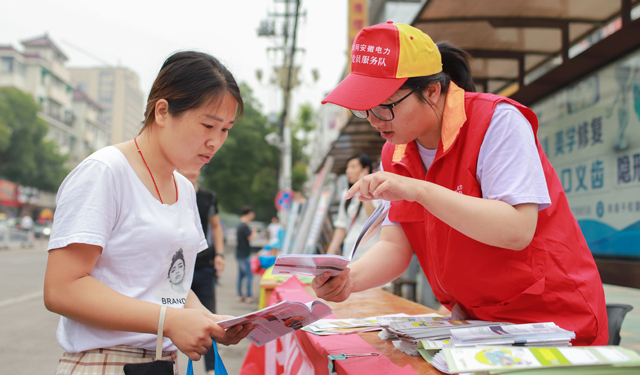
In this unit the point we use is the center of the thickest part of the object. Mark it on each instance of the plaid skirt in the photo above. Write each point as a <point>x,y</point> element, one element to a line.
<point>109,361</point>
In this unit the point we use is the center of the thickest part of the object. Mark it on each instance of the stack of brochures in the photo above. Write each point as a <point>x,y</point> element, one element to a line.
<point>543,361</point>
<point>326,327</point>
<point>407,332</point>
<point>532,334</point>
<point>317,264</point>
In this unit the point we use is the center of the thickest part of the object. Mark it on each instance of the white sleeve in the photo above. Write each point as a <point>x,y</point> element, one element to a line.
<point>509,167</point>
<point>86,208</point>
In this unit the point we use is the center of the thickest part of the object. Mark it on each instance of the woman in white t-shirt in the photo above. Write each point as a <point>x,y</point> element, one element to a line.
<point>127,231</point>
<point>353,213</point>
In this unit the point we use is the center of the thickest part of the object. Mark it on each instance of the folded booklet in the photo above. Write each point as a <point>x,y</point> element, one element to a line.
<point>278,320</point>
<point>315,264</point>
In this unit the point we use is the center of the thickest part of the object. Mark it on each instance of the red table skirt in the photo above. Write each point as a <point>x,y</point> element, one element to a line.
<point>302,353</point>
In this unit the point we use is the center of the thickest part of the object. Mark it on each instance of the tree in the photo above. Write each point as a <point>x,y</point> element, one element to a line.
<point>26,157</point>
<point>245,169</point>
<point>301,129</point>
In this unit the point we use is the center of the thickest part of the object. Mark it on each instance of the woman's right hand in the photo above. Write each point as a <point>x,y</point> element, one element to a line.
<point>336,289</point>
<point>191,331</point>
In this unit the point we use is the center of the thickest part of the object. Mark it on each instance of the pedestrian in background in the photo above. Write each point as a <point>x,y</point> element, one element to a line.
<point>126,230</point>
<point>245,235</point>
<point>273,232</point>
<point>353,213</point>
<point>210,262</point>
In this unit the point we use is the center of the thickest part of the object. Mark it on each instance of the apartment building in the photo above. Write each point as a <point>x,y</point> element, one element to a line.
<point>40,71</point>
<point>117,91</point>
<point>91,131</point>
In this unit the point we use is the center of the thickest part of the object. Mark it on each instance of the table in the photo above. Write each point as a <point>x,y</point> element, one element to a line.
<point>302,352</point>
<point>376,302</point>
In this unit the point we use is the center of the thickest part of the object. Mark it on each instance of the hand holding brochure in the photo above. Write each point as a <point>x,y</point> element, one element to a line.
<point>278,320</point>
<point>313,264</point>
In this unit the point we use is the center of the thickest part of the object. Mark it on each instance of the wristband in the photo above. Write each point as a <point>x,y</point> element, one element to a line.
<point>220,255</point>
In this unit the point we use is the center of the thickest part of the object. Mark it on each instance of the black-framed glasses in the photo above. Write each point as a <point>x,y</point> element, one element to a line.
<point>384,111</point>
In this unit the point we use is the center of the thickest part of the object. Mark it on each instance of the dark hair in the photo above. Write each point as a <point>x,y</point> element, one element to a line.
<point>186,80</point>
<point>176,257</point>
<point>246,209</point>
<point>365,162</point>
<point>455,67</point>
<point>364,159</point>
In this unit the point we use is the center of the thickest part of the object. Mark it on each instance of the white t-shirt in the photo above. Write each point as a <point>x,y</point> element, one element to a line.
<point>344,219</point>
<point>149,248</point>
<point>509,167</point>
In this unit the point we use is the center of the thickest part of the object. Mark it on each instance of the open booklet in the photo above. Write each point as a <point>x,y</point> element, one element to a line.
<point>316,264</point>
<point>278,320</point>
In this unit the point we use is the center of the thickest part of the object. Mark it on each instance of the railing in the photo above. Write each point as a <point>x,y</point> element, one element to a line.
<point>13,237</point>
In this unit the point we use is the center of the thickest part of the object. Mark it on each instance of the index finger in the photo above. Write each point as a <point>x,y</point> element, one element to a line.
<point>353,190</point>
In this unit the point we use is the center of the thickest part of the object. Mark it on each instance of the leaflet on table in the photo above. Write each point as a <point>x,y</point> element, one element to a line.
<point>496,359</point>
<point>429,323</point>
<point>423,330</point>
<point>346,326</point>
<point>429,348</point>
<point>507,334</point>
<point>384,321</point>
<point>313,264</point>
<point>278,320</point>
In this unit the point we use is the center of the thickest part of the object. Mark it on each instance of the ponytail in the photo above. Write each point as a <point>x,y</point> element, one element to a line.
<point>455,67</point>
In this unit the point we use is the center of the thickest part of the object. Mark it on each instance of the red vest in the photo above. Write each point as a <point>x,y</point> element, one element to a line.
<point>554,279</point>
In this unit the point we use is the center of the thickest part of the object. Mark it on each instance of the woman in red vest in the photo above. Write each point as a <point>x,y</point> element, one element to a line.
<point>471,192</point>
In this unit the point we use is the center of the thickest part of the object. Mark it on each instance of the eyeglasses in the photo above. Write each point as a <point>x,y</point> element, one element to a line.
<point>384,111</point>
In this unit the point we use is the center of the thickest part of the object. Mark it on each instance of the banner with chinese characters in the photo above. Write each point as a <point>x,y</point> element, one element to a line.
<point>358,18</point>
<point>590,132</point>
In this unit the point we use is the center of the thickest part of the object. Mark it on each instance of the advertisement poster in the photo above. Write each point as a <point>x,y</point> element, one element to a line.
<point>590,131</point>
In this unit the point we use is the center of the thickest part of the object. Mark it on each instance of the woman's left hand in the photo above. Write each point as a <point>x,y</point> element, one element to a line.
<point>387,186</point>
<point>233,335</point>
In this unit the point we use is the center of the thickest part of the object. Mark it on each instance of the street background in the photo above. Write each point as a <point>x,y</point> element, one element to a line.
<point>28,330</point>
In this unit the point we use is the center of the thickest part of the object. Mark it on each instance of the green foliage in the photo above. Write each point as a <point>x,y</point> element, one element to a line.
<point>301,128</point>
<point>25,156</point>
<point>245,169</point>
<point>298,176</point>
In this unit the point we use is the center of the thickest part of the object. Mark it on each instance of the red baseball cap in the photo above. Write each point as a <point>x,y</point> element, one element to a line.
<point>383,57</point>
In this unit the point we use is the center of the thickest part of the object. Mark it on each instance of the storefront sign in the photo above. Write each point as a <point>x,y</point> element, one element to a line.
<point>591,134</point>
<point>9,193</point>
<point>358,16</point>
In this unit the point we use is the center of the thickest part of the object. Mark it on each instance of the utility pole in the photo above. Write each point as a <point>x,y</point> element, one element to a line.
<point>287,79</point>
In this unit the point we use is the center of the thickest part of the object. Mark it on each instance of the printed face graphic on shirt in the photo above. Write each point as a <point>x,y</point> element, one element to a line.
<point>176,273</point>
<point>175,286</point>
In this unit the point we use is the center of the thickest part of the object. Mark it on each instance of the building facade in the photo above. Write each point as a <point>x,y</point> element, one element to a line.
<point>117,91</point>
<point>40,71</point>
<point>90,130</point>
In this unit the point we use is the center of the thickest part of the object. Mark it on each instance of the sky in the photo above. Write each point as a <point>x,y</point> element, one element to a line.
<point>140,35</point>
